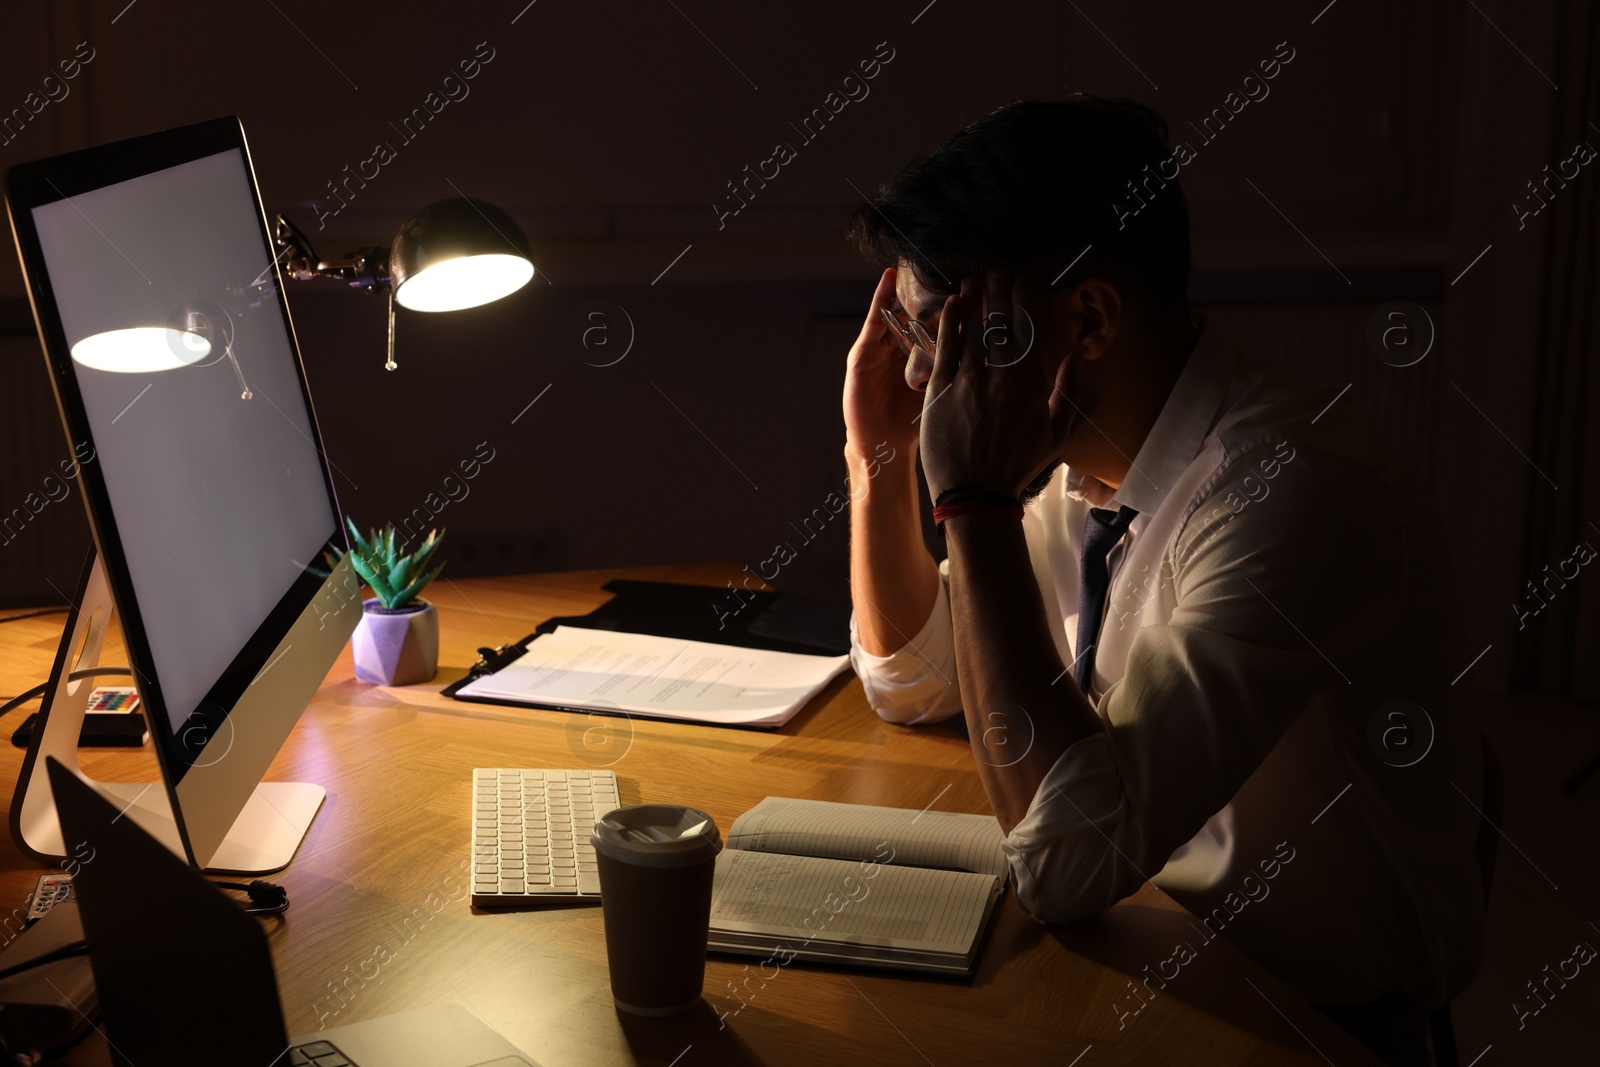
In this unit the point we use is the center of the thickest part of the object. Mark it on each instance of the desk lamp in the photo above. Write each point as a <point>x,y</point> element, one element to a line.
<point>453,254</point>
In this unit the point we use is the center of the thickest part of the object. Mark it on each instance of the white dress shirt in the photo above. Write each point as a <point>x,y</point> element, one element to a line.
<point>1279,586</point>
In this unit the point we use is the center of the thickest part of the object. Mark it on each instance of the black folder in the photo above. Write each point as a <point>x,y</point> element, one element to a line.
<point>775,622</point>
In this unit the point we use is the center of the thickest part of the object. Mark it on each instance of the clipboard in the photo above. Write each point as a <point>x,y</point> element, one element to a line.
<point>772,621</point>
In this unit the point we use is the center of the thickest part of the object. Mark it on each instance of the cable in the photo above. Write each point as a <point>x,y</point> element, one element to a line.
<point>38,690</point>
<point>35,614</point>
<point>266,898</point>
<point>32,1056</point>
<point>65,952</point>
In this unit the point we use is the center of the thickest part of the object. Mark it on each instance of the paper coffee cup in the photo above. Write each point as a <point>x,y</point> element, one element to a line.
<point>656,864</point>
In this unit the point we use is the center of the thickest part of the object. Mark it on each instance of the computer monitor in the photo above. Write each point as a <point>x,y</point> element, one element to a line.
<point>160,307</point>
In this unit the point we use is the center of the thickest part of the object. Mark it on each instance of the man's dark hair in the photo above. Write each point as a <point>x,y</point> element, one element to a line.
<point>1033,184</point>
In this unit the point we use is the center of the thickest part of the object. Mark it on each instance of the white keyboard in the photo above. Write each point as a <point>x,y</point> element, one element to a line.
<point>530,835</point>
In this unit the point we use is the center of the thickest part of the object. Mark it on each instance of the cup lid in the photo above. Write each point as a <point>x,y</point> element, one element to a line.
<point>657,835</point>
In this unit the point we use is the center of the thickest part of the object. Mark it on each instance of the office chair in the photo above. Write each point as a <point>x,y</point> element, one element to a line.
<point>1440,1024</point>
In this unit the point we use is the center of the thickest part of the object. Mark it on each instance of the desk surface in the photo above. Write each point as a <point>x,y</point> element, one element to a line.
<point>377,870</point>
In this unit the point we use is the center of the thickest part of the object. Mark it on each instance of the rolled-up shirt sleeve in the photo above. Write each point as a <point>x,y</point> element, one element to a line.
<point>1069,854</point>
<point>916,683</point>
<point>1207,694</point>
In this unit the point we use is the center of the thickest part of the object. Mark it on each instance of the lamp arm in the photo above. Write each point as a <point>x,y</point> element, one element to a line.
<point>365,268</point>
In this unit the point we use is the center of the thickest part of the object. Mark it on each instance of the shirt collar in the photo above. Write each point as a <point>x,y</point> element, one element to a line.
<point>1179,431</point>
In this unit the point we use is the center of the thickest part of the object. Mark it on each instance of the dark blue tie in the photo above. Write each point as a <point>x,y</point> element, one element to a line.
<point>1101,530</point>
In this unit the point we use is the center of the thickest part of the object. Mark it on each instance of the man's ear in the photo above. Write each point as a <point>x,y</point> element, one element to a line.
<point>1099,315</point>
<point>1092,317</point>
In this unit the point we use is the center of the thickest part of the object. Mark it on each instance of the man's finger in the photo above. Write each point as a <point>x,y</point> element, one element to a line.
<point>1001,340</point>
<point>973,299</point>
<point>947,354</point>
<point>1027,334</point>
<point>882,297</point>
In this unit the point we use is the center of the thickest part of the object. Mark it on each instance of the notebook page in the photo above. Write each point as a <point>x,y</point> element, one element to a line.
<point>900,836</point>
<point>641,674</point>
<point>806,902</point>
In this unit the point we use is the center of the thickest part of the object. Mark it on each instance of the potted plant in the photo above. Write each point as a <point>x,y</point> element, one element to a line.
<point>397,640</point>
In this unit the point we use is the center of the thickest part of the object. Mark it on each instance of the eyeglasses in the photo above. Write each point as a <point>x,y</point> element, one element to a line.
<point>909,335</point>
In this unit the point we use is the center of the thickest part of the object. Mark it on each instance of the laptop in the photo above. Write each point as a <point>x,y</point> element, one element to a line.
<point>185,976</point>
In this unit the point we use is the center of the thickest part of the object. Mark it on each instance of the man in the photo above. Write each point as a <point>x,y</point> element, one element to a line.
<point>1191,614</point>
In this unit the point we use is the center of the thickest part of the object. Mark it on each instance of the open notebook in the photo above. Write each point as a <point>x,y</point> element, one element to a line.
<point>848,883</point>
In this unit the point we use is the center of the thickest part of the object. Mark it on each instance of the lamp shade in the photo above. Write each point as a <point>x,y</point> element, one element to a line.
<point>458,253</point>
<point>141,349</point>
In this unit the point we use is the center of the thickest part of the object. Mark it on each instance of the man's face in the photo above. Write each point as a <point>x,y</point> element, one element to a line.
<point>917,301</point>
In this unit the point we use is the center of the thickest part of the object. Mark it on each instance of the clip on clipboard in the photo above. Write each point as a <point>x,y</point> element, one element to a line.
<point>673,654</point>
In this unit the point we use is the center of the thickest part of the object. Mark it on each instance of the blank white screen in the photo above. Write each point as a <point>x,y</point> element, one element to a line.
<point>219,501</point>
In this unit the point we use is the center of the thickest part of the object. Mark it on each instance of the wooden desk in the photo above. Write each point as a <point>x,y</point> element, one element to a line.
<point>384,858</point>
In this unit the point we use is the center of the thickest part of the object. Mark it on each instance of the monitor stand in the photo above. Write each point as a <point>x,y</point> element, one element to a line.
<point>262,840</point>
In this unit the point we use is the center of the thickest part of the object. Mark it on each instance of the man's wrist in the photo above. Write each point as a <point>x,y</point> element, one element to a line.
<point>867,447</point>
<point>997,510</point>
<point>975,499</point>
<point>879,467</point>
<point>965,532</point>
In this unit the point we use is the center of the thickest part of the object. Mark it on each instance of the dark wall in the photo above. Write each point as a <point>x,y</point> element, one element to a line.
<point>1382,161</point>
<point>703,441</point>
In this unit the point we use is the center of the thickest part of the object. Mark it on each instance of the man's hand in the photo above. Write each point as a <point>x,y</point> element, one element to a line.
<point>987,418</point>
<point>893,580</point>
<point>989,421</point>
<point>878,404</point>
